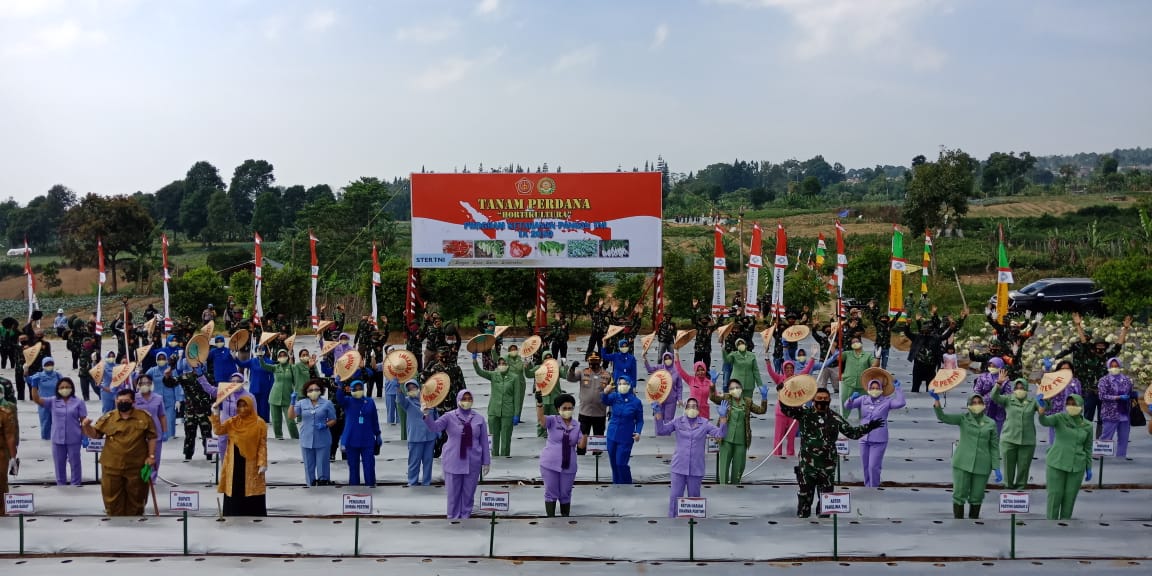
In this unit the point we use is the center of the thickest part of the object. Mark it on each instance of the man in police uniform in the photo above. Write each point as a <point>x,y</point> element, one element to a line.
<point>130,443</point>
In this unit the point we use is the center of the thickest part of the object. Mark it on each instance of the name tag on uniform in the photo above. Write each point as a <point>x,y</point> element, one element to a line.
<point>361,420</point>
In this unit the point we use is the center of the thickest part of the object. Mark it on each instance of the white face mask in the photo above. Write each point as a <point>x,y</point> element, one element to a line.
<point>65,392</point>
<point>282,360</point>
<point>801,359</point>
<point>219,344</point>
<point>502,368</point>
<point>161,363</point>
<point>146,389</point>
<point>314,394</point>
<point>1112,371</point>
<point>49,369</point>
<point>976,409</point>
<point>566,414</point>
<point>110,361</point>
<point>736,392</point>
<point>1020,394</point>
<point>875,393</point>
<point>513,353</point>
<point>856,346</point>
<point>993,370</point>
<point>357,393</point>
<point>691,412</point>
<point>624,388</point>
<point>949,357</point>
<point>466,405</point>
<point>667,361</point>
<point>742,348</point>
<point>1073,410</point>
<point>413,393</point>
<point>624,349</point>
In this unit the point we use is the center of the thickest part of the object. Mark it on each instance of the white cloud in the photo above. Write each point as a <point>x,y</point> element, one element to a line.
<point>320,20</point>
<point>55,38</point>
<point>487,6</point>
<point>660,37</point>
<point>582,57</point>
<point>452,70</point>
<point>430,34</point>
<point>28,8</point>
<point>271,27</point>
<point>884,29</point>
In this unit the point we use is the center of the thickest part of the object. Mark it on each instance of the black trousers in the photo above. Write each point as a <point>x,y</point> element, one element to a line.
<point>595,344</point>
<point>922,372</point>
<point>705,357</point>
<point>559,349</point>
<point>590,424</point>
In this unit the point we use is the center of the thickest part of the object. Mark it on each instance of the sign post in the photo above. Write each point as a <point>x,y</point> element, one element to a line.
<point>96,446</point>
<point>21,505</point>
<point>357,505</point>
<point>692,508</point>
<point>835,504</point>
<point>713,447</point>
<point>494,502</point>
<point>597,444</point>
<point>184,501</point>
<point>841,454</point>
<point>1102,448</point>
<point>1014,503</point>
<point>212,447</point>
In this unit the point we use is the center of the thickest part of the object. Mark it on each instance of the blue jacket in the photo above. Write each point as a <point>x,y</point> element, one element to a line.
<point>623,366</point>
<point>170,395</point>
<point>223,364</point>
<point>417,430</point>
<point>627,415</point>
<point>391,386</point>
<point>361,421</point>
<point>45,383</point>
<point>308,415</point>
<point>259,380</point>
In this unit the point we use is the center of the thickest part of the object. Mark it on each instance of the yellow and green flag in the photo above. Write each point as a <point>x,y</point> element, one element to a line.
<point>820,248</point>
<point>896,274</point>
<point>927,261</point>
<point>1003,279</point>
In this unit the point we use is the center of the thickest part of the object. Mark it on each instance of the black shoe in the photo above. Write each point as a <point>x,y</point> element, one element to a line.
<point>974,511</point>
<point>565,509</point>
<point>958,511</point>
<point>208,457</point>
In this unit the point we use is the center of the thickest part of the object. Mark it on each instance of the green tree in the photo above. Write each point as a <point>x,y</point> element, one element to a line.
<point>267,218</point>
<point>442,289</point>
<point>287,291</point>
<point>810,186</point>
<point>122,224</point>
<point>196,289</point>
<point>804,287</point>
<point>222,260</point>
<point>221,220</point>
<point>291,201</point>
<point>166,206</point>
<point>1005,173</point>
<point>686,277</point>
<point>1125,284</point>
<point>1108,164</point>
<point>566,289</point>
<point>938,191</point>
<point>866,275</point>
<point>392,291</point>
<point>629,286</point>
<point>242,287</point>
<point>249,180</point>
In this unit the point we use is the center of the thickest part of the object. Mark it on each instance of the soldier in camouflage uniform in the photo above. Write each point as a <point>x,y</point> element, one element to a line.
<point>197,408</point>
<point>433,335</point>
<point>819,429</point>
<point>883,323</point>
<point>446,364</point>
<point>599,317</point>
<point>1089,362</point>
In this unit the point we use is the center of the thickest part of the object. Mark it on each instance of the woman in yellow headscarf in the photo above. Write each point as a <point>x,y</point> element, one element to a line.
<point>242,477</point>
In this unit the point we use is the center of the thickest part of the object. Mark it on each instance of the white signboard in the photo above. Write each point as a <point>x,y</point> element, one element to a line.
<point>357,504</point>
<point>713,445</point>
<point>692,507</point>
<point>598,443</point>
<point>495,501</point>
<point>184,501</point>
<point>836,503</point>
<point>15,504</point>
<point>212,446</point>
<point>842,447</point>
<point>95,445</point>
<point>1014,503</point>
<point>1103,447</point>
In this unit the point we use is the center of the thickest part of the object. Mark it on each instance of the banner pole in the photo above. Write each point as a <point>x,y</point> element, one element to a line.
<point>492,535</point>
<point>1100,475</point>
<point>836,537</point>
<point>21,534</point>
<point>185,532</point>
<point>597,455</point>
<point>1013,551</point>
<point>356,540</point>
<point>96,459</point>
<point>692,539</point>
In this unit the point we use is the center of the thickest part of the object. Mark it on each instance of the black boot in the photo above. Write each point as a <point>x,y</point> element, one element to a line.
<point>549,509</point>
<point>803,507</point>
<point>958,511</point>
<point>565,509</point>
<point>974,511</point>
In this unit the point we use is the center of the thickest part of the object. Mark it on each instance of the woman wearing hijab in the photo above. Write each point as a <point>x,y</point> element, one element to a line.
<point>466,455</point>
<point>287,379</point>
<point>45,382</point>
<point>995,378</point>
<point>784,424</point>
<point>977,454</point>
<point>316,415</point>
<point>227,406</point>
<point>558,459</point>
<point>667,360</point>
<point>361,437</point>
<point>692,432</point>
<point>699,384</point>
<point>169,391</point>
<point>1069,458</point>
<point>501,403</point>
<point>744,369</point>
<point>737,409</point>
<point>1018,438</point>
<point>242,479</point>
<point>623,428</point>
<point>1055,404</point>
<point>855,361</point>
<point>875,406</point>
<point>67,413</point>
<point>420,439</point>
<point>1115,391</point>
<point>153,404</point>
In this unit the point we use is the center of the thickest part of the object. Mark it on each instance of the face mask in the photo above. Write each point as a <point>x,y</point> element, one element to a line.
<point>304,358</point>
<point>110,361</point>
<point>1020,394</point>
<point>466,405</point>
<point>822,406</point>
<point>161,363</point>
<point>594,365</point>
<point>623,388</point>
<point>742,348</point>
<point>282,360</point>
<point>667,361</point>
<point>875,393</point>
<point>146,389</point>
<point>691,412</point>
<point>856,346</point>
<point>624,349</point>
<point>124,406</point>
<point>950,357</point>
<point>314,394</point>
<point>1073,410</point>
<point>219,344</point>
<point>357,393</point>
<point>343,342</point>
<point>64,392</point>
<point>502,368</point>
<point>735,392</point>
<point>993,370</point>
<point>566,414</point>
<point>51,369</point>
<point>413,393</point>
<point>976,409</point>
<point>1112,371</point>
<point>801,359</point>
<point>513,354</point>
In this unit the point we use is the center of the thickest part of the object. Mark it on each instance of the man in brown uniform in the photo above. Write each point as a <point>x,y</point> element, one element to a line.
<point>9,439</point>
<point>130,442</point>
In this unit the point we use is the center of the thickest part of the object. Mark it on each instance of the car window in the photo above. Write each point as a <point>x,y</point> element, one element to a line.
<point>1033,288</point>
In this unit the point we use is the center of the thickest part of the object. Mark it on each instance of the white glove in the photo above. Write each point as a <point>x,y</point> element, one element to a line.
<point>14,467</point>
<point>484,470</point>
<point>261,470</point>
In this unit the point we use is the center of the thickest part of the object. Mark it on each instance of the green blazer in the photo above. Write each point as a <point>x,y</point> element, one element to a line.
<point>1020,421</point>
<point>1071,451</point>
<point>745,370</point>
<point>854,366</point>
<point>501,403</point>
<point>979,449</point>
<point>286,379</point>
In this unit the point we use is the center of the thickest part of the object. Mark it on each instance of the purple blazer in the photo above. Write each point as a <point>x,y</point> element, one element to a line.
<point>478,453</point>
<point>553,454</point>
<point>877,409</point>
<point>691,442</point>
<point>66,417</point>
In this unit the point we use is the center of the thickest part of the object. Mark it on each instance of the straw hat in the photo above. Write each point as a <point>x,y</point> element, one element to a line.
<point>797,390</point>
<point>290,341</point>
<point>121,372</point>
<point>267,337</point>
<point>142,352</point>
<point>347,365</point>
<point>209,328</point>
<point>400,365</point>
<point>796,333</point>
<point>646,341</point>
<point>767,336</point>
<point>225,390</point>
<point>97,372</point>
<point>531,345</point>
<point>434,390</point>
<point>659,386</point>
<point>947,379</point>
<point>1053,383</point>
<point>30,354</point>
<point>197,349</point>
<point>875,373</point>
<point>723,331</point>
<point>547,375</point>
<point>612,331</point>
<point>683,337</point>
<point>239,340</point>
<point>329,345</point>
<point>500,330</point>
<point>481,343</point>
<point>323,325</point>
<point>1148,397</point>
<point>150,325</point>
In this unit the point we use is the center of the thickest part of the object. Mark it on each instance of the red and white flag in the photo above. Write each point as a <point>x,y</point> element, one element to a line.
<point>315,271</point>
<point>33,304</point>
<point>841,264</point>
<point>375,283</point>
<point>718,265</point>
<point>781,264</point>
<point>100,287</point>
<point>752,284</point>
<point>167,278</point>
<point>258,271</point>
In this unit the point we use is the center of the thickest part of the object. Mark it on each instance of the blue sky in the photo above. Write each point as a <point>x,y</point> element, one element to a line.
<point>115,96</point>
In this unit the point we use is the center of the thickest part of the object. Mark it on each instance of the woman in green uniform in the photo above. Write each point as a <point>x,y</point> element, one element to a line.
<point>1018,438</point>
<point>977,454</point>
<point>734,446</point>
<point>500,404</point>
<point>744,368</point>
<point>1069,457</point>
<point>855,362</point>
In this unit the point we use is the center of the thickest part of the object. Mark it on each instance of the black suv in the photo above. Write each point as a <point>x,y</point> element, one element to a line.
<point>1056,295</point>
